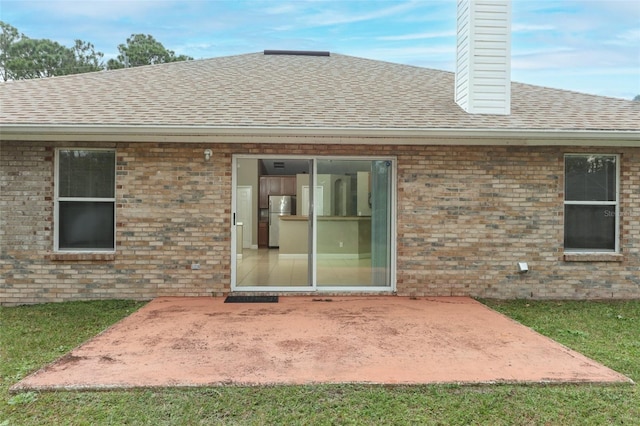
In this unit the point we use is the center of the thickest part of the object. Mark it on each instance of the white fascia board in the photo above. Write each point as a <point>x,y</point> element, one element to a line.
<point>370,136</point>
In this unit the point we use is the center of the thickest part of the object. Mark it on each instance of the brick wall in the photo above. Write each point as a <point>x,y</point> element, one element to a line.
<point>465,216</point>
<point>172,209</point>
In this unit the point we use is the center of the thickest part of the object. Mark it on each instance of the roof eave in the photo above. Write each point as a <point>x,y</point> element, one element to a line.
<point>373,136</point>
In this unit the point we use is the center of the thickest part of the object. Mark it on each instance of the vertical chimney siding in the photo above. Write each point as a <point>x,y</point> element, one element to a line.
<point>483,60</point>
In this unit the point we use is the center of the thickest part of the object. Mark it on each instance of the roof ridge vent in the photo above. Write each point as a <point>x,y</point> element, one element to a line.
<point>297,52</point>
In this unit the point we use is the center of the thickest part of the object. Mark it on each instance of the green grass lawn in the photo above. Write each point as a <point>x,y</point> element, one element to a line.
<point>32,336</point>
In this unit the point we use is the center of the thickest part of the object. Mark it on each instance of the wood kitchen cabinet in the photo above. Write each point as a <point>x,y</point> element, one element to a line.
<point>275,185</point>
<point>263,201</point>
<point>263,234</point>
<point>288,185</point>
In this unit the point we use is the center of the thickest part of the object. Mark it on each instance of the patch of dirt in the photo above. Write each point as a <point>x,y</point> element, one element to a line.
<point>189,344</point>
<point>69,359</point>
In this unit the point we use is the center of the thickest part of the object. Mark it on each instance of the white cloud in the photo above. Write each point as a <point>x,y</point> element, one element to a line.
<point>418,36</point>
<point>526,28</point>
<point>97,9</point>
<point>346,16</point>
<point>630,37</point>
<point>283,8</point>
<point>571,58</point>
<point>415,55</point>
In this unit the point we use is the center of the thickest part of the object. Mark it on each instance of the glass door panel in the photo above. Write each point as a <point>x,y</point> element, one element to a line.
<point>278,258</point>
<point>353,220</point>
<point>380,223</point>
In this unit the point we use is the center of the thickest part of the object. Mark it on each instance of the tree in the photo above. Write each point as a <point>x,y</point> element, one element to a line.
<point>142,49</point>
<point>8,37</point>
<point>35,58</point>
<point>86,57</point>
<point>23,57</point>
<point>637,98</point>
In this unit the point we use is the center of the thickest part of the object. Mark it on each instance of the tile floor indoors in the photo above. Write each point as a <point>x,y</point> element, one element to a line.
<point>265,267</point>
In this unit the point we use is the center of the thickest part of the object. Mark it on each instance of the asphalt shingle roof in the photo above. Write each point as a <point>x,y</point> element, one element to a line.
<point>257,90</point>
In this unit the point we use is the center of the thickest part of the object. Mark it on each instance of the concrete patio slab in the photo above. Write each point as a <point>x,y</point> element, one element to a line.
<point>390,340</point>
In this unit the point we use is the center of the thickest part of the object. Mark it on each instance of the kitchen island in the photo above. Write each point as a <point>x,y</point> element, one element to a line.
<point>338,236</point>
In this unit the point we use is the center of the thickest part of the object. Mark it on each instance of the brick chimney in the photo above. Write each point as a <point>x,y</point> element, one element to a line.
<point>483,56</point>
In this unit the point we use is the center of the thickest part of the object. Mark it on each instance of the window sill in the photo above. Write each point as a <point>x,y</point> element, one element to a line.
<point>593,257</point>
<point>81,256</point>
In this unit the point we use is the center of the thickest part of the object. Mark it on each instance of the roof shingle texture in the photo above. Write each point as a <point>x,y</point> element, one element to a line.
<point>257,90</point>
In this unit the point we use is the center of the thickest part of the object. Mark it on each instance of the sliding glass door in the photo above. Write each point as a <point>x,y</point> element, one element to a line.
<point>336,236</point>
<point>353,222</point>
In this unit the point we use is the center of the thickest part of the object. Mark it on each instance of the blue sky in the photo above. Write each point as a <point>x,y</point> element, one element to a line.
<point>590,46</point>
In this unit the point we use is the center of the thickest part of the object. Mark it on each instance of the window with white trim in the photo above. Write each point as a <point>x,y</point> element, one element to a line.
<point>591,205</point>
<point>85,200</point>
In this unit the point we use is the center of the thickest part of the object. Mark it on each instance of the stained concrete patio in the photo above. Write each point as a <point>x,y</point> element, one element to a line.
<point>391,340</point>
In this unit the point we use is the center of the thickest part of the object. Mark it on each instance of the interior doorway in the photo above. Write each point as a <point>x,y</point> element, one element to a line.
<point>336,234</point>
<point>244,216</point>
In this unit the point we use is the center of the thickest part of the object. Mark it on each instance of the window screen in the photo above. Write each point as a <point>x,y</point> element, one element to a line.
<point>85,200</point>
<point>591,204</point>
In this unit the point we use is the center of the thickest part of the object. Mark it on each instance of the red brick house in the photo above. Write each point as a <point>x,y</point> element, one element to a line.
<point>157,181</point>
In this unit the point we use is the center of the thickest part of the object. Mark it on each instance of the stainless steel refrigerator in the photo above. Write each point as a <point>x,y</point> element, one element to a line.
<point>279,205</point>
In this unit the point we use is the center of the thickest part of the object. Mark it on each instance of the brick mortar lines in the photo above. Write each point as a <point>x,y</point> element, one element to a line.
<point>466,215</point>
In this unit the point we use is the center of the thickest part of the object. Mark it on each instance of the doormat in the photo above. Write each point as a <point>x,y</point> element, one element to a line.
<point>251,299</point>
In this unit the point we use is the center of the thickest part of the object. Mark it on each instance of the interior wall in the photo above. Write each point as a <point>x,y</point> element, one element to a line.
<point>301,180</point>
<point>247,175</point>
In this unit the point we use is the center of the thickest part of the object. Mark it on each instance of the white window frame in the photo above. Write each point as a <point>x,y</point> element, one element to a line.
<point>58,199</point>
<point>615,204</point>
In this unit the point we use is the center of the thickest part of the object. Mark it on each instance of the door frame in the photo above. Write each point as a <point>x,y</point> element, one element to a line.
<point>313,287</point>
